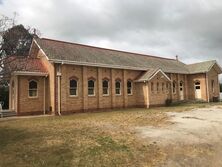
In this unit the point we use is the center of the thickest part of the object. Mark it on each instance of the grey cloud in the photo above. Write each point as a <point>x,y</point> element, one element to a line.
<point>191,29</point>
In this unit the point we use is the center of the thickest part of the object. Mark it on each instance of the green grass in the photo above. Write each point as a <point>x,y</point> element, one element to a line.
<point>87,139</point>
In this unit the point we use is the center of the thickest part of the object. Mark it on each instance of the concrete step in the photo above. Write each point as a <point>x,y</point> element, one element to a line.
<point>6,113</point>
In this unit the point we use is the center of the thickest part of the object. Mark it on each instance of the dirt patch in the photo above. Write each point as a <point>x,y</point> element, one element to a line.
<point>193,138</point>
<point>196,126</point>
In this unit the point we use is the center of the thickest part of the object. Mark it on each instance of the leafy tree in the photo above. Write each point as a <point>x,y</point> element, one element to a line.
<point>221,87</point>
<point>15,40</point>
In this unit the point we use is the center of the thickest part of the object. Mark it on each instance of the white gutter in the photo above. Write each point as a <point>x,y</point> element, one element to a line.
<point>96,64</point>
<point>44,98</point>
<point>207,84</point>
<point>30,73</point>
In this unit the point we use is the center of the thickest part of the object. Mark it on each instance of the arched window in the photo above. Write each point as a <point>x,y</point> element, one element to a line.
<point>152,87</point>
<point>91,88</point>
<point>167,88</point>
<point>129,88</point>
<point>33,88</point>
<point>73,87</point>
<point>118,87</point>
<point>212,85</point>
<point>163,87</point>
<point>174,87</point>
<point>105,87</point>
<point>157,86</point>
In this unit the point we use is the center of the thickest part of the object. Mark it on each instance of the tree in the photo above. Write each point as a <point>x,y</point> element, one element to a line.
<point>15,41</point>
<point>221,87</point>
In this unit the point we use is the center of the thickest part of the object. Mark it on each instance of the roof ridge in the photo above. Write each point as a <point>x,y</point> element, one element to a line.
<point>140,54</point>
<point>202,62</point>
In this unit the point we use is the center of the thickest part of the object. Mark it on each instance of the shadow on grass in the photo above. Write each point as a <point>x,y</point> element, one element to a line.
<point>20,147</point>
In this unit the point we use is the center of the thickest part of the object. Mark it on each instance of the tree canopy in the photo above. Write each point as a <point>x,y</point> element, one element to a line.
<point>16,41</point>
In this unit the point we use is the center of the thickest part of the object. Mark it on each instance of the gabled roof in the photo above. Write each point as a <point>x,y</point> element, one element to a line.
<point>72,53</point>
<point>27,65</point>
<point>203,67</point>
<point>148,75</point>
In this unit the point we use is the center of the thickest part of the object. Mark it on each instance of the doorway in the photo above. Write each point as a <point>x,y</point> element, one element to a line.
<point>197,88</point>
<point>181,91</point>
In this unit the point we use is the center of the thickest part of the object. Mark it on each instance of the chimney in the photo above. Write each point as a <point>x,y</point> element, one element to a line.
<point>177,57</point>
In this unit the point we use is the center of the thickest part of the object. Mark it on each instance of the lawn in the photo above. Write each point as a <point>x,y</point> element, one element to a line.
<point>85,139</point>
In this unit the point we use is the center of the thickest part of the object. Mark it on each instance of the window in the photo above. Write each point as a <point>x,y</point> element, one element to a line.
<point>163,87</point>
<point>129,88</point>
<point>73,87</point>
<point>174,87</point>
<point>33,89</point>
<point>105,87</point>
<point>212,85</point>
<point>167,88</point>
<point>118,87</point>
<point>91,88</point>
<point>157,86</point>
<point>152,88</point>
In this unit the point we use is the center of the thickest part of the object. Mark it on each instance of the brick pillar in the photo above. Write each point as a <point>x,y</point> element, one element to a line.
<point>171,87</point>
<point>85,88</point>
<point>186,87</point>
<point>112,91</point>
<point>125,95</point>
<point>147,95</point>
<point>99,87</point>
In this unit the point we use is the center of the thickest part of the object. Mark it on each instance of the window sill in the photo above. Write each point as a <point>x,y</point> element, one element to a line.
<point>91,95</point>
<point>106,95</point>
<point>30,97</point>
<point>73,96</point>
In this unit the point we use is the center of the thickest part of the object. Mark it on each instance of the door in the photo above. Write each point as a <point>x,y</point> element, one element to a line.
<point>197,90</point>
<point>181,91</point>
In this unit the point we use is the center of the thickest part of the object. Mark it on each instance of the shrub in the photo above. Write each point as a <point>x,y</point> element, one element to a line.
<point>168,102</point>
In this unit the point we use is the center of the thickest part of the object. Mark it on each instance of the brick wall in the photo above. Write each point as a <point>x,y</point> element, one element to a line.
<point>213,76</point>
<point>191,89</point>
<point>28,104</point>
<point>84,102</point>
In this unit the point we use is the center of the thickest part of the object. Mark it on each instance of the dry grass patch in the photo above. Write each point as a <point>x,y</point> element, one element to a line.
<point>87,139</point>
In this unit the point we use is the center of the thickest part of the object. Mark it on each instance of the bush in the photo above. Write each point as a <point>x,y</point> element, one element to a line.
<point>168,102</point>
<point>4,96</point>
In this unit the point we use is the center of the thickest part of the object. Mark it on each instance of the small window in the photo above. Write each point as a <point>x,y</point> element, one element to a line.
<point>129,88</point>
<point>105,87</point>
<point>174,87</point>
<point>91,88</point>
<point>73,87</point>
<point>118,87</point>
<point>152,87</point>
<point>212,85</point>
<point>33,89</point>
<point>157,86</point>
<point>163,87</point>
<point>167,88</point>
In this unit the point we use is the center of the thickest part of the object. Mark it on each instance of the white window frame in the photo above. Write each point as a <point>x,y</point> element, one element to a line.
<point>131,88</point>
<point>212,86</point>
<point>33,97</point>
<point>118,88</point>
<point>94,94</point>
<point>174,88</point>
<point>107,87</point>
<point>76,87</point>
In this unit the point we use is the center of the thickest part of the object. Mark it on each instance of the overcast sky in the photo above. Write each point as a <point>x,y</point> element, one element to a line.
<point>191,29</point>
